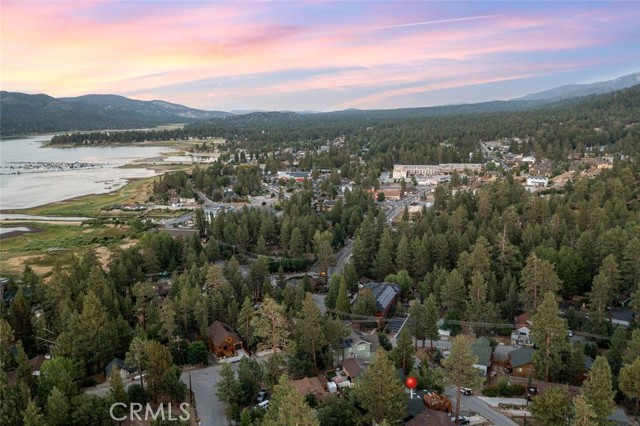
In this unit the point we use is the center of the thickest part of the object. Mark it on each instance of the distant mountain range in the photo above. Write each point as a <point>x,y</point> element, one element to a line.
<point>577,90</point>
<point>23,113</point>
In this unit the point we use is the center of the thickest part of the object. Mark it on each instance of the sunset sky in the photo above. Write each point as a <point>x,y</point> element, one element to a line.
<point>313,55</point>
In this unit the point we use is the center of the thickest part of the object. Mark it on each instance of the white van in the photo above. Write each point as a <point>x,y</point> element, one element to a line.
<point>264,404</point>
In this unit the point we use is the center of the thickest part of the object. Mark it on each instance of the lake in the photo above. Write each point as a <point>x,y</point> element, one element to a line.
<point>32,175</point>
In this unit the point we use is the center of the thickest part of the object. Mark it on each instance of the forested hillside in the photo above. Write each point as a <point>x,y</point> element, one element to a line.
<point>22,113</point>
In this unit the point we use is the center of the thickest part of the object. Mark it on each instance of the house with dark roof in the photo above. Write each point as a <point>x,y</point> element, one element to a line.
<point>125,371</point>
<point>222,340</point>
<point>520,361</point>
<point>352,369</point>
<point>386,295</point>
<point>430,418</point>
<point>482,349</point>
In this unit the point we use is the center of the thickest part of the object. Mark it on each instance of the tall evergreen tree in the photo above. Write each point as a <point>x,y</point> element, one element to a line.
<point>270,324</point>
<point>459,370</point>
<point>584,414</point>
<point>309,328</point>
<point>598,389</point>
<point>32,415</point>
<point>633,347</point>
<point>552,407</point>
<point>538,278</point>
<point>431,320</point>
<point>288,408</point>
<point>342,302</point>
<point>454,293</point>
<point>379,391</point>
<point>550,333</point>
<point>402,354</point>
<point>384,258</point>
<point>57,409</point>
<point>418,322</point>
<point>21,322</point>
<point>629,382</point>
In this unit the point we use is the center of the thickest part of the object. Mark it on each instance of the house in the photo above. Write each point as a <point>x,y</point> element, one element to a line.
<point>430,418</point>
<point>351,369</point>
<point>125,371</point>
<point>360,346</point>
<point>520,362</point>
<point>222,340</point>
<point>521,336</point>
<point>386,295</point>
<point>482,349</point>
<point>311,386</point>
<point>35,363</point>
<point>541,181</point>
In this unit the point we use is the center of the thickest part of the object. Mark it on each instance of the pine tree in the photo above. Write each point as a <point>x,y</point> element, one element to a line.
<point>538,278</point>
<point>402,354</point>
<point>57,409</point>
<point>629,381</point>
<point>550,333</point>
<point>245,317</point>
<point>168,320</point>
<point>7,340</point>
<point>459,370</point>
<point>20,320</point>
<point>598,389</point>
<point>324,251</point>
<point>380,392</point>
<point>310,331</point>
<point>551,407</point>
<point>158,364</point>
<point>633,347</point>
<point>117,391</point>
<point>270,324</point>
<point>229,392</point>
<point>403,257</point>
<point>477,307</point>
<point>584,414</point>
<point>288,408</point>
<point>296,243</point>
<point>261,246</point>
<point>617,347</point>
<point>332,293</point>
<point>136,356</point>
<point>350,276</point>
<point>342,302</point>
<point>431,320</point>
<point>32,415</point>
<point>417,322</point>
<point>453,293</point>
<point>384,258</point>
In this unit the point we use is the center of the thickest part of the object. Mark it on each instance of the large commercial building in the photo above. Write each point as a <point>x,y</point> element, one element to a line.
<point>404,171</point>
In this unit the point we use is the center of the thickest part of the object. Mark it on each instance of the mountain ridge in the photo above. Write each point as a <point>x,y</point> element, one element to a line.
<point>40,113</point>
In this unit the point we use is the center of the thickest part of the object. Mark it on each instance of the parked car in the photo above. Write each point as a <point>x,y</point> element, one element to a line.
<point>462,420</point>
<point>262,396</point>
<point>466,391</point>
<point>264,404</point>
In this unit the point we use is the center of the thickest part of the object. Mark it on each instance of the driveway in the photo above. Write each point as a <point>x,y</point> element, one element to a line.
<point>475,404</point>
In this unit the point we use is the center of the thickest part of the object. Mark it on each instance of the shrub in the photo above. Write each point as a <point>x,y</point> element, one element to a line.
<point>490,392</point>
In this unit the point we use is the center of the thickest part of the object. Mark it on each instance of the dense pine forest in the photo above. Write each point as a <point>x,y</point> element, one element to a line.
<point>476,258</point>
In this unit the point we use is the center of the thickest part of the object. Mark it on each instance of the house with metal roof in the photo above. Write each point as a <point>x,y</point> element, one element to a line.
<point>386,295</point>
<point>520,361</point>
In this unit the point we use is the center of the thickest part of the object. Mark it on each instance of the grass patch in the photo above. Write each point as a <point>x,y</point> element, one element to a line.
<point>93,205</point>
<point>54,245</point>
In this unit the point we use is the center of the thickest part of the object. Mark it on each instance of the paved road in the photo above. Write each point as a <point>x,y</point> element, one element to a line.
<point>477,405</point>
<point>203,381</point>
